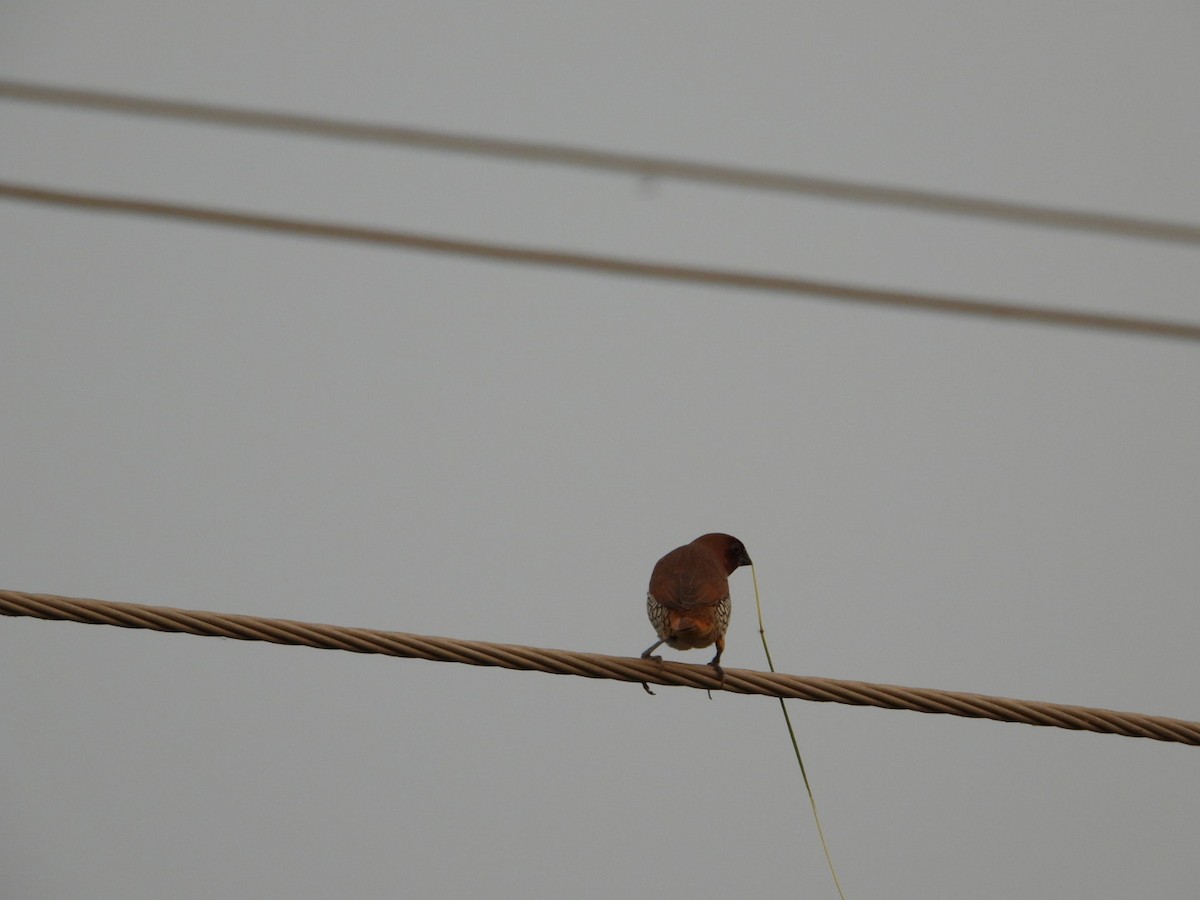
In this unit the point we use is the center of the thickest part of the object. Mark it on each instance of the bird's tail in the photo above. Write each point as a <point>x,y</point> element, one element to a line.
<point>684,624</point>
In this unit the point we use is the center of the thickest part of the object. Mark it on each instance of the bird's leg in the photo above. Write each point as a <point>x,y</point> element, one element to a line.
<point>715,662</point>
<point>646,655</point>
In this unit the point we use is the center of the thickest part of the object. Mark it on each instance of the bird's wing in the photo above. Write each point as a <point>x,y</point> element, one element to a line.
<point>687,578</point>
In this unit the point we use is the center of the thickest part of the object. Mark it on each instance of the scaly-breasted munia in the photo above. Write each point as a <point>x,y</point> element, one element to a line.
<point>688,600</point>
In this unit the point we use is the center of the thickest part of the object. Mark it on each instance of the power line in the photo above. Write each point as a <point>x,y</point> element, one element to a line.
<point>595,665</point>
<point>623,163</point>
<point>606,265</point>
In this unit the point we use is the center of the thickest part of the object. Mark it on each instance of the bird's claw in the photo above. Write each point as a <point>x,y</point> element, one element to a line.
<point>656,659</point>
<point>720,675</point>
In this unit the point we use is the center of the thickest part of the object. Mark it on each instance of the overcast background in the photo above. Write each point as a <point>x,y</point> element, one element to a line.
<point>232,421</point>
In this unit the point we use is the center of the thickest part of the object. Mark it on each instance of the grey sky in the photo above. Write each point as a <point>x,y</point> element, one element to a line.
<point>254,424</point>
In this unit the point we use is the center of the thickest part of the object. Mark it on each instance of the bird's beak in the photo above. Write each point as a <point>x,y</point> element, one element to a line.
<point>745,560</point>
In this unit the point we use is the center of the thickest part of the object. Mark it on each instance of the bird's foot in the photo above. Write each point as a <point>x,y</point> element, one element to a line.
<point>720,675</point>
<point>655,658</point>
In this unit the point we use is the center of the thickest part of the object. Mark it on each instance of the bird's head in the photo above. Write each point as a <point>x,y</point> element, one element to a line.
<point>727,548</point>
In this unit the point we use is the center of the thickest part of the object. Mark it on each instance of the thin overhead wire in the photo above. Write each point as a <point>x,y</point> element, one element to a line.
<point>622,163</point>
<point>606,265</point>
<point>594,665</point>
<point>787,721</point>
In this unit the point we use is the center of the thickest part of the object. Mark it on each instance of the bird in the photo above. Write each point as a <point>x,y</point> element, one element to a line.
<point>688,600</point>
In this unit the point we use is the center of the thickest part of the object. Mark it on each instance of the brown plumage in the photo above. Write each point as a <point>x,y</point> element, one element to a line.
<point>688,600</point>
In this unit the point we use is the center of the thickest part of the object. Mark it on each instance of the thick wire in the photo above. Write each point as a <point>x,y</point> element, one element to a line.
<point>594,665</point>
<point>606,265</point>
<point>624,163</point>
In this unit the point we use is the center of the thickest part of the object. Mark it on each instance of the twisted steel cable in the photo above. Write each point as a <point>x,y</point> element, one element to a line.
<point>595,665</point>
